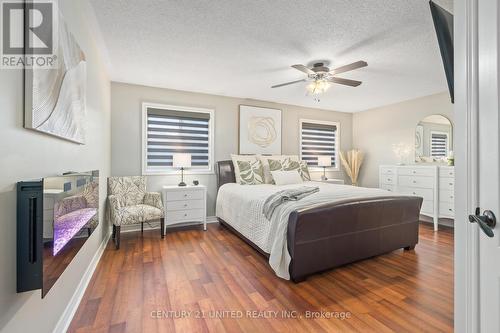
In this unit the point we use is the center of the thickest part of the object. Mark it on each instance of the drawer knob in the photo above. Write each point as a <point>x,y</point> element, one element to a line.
<point>414,171</point>
<point>185,205</point>
<point>451,173</point>
<point>185,195</point>
<point>414,193</point>
<point>186,214</point>
<point>414,182</point>
<point>451,183</point>
<point>450,209</point>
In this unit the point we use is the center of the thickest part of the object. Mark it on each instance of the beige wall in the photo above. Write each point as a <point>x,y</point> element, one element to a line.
<point>27,155</point>
<point>126,102</point>
<point>376,130</point>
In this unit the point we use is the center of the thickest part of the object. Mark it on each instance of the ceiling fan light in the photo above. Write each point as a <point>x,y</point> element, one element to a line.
<point>318,87</point>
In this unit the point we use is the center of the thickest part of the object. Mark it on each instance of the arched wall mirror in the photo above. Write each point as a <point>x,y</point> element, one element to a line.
<point>433,139</point>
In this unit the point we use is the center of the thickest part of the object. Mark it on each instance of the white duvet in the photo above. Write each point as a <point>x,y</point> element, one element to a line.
<point>241,207</point>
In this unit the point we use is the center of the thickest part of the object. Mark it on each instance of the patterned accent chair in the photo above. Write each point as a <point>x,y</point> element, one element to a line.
<point>129,203</point>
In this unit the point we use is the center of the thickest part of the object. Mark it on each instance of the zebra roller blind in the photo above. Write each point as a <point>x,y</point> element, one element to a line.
<point>171,131</point>
<point>439,144</point>
<point>318,139</point>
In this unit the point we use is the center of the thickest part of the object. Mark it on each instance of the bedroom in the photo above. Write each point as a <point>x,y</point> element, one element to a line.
<point>240,166</point>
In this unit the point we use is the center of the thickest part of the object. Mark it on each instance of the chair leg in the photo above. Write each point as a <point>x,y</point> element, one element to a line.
<point>142,227</point>
<point>114,231</point>
<point>117,237</point>
<point>162,227</point>
<point>89,231</point>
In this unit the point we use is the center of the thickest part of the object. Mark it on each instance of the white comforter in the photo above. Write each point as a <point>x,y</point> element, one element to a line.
<point>241,207</point>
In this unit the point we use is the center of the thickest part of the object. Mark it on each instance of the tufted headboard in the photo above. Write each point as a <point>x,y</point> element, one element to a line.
<point>225,173</point>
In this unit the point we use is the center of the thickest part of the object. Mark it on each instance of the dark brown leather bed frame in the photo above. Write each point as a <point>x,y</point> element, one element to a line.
<point>339,233</point>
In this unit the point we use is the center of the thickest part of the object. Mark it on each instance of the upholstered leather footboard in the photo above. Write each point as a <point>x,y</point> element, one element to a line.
<point>335,234</point>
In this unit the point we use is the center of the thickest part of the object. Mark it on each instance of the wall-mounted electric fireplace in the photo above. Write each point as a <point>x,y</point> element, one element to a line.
<point>55,216</point>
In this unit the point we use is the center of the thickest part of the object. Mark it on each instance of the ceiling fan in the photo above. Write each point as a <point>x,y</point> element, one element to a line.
<point>321,76</point>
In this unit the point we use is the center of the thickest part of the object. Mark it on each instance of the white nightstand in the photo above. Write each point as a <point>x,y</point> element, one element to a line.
<point>332,181</point>
<point>185,204</point>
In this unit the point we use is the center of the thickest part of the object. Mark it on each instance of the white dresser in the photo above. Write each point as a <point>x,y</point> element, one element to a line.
<point>185,204</point>
<point>435,184</point>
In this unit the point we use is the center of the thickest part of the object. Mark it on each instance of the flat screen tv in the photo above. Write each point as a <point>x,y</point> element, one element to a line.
<point>55,217</point>
<point>443,23</point>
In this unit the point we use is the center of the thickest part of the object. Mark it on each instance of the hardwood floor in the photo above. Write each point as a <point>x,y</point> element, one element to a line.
<point>218,280</point>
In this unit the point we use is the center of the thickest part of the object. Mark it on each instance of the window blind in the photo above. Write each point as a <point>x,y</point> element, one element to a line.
<point>439,145</point>
<point>172,131</point>
<point>318,139</point>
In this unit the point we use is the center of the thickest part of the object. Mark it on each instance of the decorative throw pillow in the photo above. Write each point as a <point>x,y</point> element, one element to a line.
<point>286,177</point>
<point>251,172</point>
<point>304,171</point>
<point>246,158</point>
<point>286,164</point>
<point>268,178</point>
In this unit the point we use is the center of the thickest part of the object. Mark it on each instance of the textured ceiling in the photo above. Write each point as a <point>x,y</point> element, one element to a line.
<point>240,48</point>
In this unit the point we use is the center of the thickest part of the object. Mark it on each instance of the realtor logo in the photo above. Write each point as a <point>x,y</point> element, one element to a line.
<point>28,36</point>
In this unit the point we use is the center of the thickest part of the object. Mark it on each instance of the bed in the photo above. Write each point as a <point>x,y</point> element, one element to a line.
<point>338,225</point>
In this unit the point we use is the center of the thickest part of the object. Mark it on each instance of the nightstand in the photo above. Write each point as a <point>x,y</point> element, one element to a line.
<point>332,181</point>
<point>185,204</point>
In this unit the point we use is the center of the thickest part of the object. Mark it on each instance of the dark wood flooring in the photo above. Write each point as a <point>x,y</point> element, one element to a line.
<point>223,285</point>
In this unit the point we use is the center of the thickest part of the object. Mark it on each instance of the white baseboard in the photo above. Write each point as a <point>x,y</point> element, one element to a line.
<point>65,320</point>
<point>156,225</point>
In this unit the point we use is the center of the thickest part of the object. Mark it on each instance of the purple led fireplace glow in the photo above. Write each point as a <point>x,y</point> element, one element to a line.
<point>68,225</point>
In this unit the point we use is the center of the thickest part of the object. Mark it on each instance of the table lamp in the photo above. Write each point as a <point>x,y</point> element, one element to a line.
<point>324,161</point>
<point>182,161</point>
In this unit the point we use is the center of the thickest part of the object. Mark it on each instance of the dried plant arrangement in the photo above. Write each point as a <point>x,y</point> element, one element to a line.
<point>352,164</point>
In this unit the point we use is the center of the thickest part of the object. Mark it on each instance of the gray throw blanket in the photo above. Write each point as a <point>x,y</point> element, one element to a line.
<point>281,197</point>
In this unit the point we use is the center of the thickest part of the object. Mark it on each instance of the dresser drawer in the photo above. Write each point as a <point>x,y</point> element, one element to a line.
<point>184,215</point>
<point>446,172</point>
<point>184,195</point>
<point>408,171</point>
<point>446,209</point>
<point>446,184</point>
<point>387,179</point>
<point>446,196</point>
<point>387,171</point>
<point>387,187</point>
<point>427,207</point>
<point>416,181</point>
<point>185,204</point>
<point>425,193</point>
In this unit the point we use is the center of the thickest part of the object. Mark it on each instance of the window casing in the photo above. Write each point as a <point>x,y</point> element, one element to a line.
<point>319,138</point>
<point>169,129</point>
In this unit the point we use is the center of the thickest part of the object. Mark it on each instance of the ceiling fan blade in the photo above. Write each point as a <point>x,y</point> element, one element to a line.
<point>303,69</point>
<point>350,67</point>
<point>346,82</point>
<point>286,84</point>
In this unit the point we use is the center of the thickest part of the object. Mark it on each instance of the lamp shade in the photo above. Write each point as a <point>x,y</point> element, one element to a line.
<point>181,160</point>
<point>324,161</point>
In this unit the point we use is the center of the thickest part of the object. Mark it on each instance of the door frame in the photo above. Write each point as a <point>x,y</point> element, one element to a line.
<point>466,254</point>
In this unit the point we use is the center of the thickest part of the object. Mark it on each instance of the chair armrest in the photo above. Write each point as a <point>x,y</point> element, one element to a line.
<point>153,199</point>
<point>114,208</point>
<point>69,204</point>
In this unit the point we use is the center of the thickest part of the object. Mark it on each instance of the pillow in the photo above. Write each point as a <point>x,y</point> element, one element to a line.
<point>250,172</point>
<point>235,158</point>
<point>265,164</point>
<point>285,164</point>
<point>304,171</point>
<point>286,177</point>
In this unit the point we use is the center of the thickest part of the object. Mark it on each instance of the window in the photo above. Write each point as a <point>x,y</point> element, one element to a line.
<point>169,129</point>
<point>319,138</point>
<point>439,144</point>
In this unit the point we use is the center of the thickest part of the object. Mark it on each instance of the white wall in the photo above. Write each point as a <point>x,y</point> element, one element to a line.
<point>376,130</point>
<point>126,108</point>
<point>26,155</point>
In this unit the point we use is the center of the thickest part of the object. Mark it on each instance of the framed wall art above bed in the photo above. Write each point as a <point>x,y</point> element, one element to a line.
<point>260,130</point>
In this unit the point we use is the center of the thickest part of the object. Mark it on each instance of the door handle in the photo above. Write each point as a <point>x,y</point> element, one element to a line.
<point>486,222</point>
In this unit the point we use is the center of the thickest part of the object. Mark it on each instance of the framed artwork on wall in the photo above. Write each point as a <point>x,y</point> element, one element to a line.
<point>260,130</point>
<point>55,98</point>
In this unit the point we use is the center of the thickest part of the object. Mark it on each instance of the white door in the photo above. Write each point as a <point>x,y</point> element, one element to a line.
<point>477,121</point>
<point>489,166</point>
